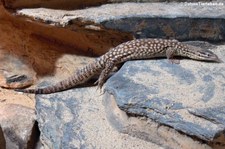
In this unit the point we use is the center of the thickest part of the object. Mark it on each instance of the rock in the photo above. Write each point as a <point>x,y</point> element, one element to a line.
<point>147,129</point>
<point>188,97</point>
<point>183,21</point>
<point>14,73</point>
<point>77,119</point>
<point>2,139</point>
<point>19,126</point>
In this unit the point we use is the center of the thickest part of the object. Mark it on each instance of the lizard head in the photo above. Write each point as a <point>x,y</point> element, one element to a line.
<point>202,54</point>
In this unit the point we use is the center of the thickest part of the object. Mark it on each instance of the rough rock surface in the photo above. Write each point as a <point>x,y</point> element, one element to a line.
<point>19,127</point>
<point>188,97</point>
<point>77,119</point>
<point>147,129</point>
<point>182,21</point>
<point>14,73</point>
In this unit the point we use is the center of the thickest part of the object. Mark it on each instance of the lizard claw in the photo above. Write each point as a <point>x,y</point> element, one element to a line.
<point>99,84</point>
<point>96,82</point>
<point>99,87</point>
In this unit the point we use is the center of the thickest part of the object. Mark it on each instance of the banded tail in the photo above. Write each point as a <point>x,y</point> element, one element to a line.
<point>81,75</point>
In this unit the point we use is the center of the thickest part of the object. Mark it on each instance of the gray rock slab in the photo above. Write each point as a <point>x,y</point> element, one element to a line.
<point>19,127</point>
<point>188,97</point>
<point>127,10</point>
<point>183,21</point>
<point>77,119</point>
<point>148,130</point>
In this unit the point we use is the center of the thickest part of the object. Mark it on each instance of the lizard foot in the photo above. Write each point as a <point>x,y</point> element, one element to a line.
<point>174,61</point>
<point>104,74</point>
<point>99,83</point>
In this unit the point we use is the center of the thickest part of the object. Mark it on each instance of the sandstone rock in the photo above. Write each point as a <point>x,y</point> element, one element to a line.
<point>188,97</point>
<point>26,58</point>
<point>15,81</point>
<point>14,73</point>
<point>19,127</point>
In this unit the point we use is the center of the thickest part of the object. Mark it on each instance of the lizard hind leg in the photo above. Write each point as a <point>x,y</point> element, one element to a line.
<point>105,73</point>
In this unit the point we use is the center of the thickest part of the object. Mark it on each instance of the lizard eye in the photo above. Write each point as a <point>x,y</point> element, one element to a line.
<point>206,53</point>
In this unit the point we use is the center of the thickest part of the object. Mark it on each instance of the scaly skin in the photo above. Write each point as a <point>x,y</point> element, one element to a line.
<point>131,50</point>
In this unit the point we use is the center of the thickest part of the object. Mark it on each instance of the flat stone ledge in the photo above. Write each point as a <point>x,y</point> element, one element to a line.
<point>127,10</point>
<point>182,21</point>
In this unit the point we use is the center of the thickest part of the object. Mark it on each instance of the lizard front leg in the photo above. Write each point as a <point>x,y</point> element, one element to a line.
<point>170,53</point>
<point>105,73</point>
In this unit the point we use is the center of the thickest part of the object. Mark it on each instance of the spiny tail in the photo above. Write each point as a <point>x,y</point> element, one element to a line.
<point>82,75</point>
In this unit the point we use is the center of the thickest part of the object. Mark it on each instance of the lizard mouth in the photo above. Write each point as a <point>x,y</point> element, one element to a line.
<point>213,59</point>
<point>218,60</point>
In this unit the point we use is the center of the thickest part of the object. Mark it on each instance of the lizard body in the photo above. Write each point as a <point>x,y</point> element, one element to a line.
<point>131,50</point>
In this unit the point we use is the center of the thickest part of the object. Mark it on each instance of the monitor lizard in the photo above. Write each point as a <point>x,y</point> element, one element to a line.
<point>130,50</point>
